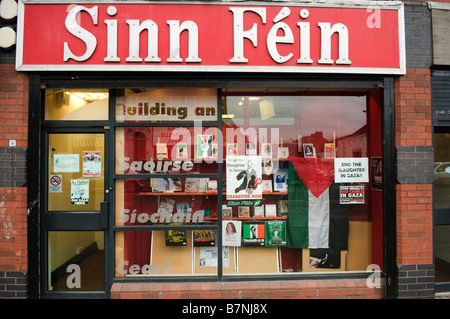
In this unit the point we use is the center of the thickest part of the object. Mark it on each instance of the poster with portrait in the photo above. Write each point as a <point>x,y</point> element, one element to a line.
<point>308,150</point>
<point>231,233</point>
<point>244,177</point>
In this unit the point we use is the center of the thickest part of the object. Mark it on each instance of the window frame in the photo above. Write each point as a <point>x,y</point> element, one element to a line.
<point>220,81</point>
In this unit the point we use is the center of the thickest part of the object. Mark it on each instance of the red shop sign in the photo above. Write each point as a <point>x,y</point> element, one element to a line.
<point>227,37</point>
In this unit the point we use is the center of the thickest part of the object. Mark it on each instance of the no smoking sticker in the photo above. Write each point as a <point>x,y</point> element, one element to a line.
<point>55,184</point>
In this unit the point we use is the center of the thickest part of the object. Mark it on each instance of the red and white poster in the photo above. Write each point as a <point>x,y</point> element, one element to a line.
<point>224,37</point>
<point>92,163</point>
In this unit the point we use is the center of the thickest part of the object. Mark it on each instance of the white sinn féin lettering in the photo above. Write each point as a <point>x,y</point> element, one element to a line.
<point>135,27</point>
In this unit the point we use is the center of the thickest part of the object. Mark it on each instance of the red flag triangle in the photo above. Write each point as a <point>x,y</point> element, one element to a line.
<point>316,173</point>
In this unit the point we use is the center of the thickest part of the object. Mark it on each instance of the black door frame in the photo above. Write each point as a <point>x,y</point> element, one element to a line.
<point>39,222</point>
<point>70,220</point>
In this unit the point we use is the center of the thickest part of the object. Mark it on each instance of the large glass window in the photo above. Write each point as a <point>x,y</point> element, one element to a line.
<point>285,182</point>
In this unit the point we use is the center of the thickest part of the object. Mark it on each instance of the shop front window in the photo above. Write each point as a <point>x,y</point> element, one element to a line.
<point>285,182</point>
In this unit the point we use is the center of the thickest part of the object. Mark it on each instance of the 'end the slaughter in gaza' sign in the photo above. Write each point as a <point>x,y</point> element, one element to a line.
<point>351,170</point>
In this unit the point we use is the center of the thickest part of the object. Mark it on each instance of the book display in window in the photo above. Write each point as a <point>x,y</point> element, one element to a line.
<point>271,210</point>
<point>251,149</point>
<point>161,151</point>
<point>258,211</point>
<point>212,186</point>
<point>267,186</point>
<point>182,151</point>
<point>227,212</point>
<point>244,211</point>
<point>162,185</point>
<point>308,150</point>
<point>196,185</point>
<point>166,206</point>
<point>232,149</point>
<point>282,207</point>
<point>280,180</point>
<point>264,215</point>
<point>183,208</point>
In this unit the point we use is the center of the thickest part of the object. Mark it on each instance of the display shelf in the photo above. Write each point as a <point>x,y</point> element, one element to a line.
<point>198,193</point>
<point>275,193</point>
<point>177,193</point>
<point>256,218</point>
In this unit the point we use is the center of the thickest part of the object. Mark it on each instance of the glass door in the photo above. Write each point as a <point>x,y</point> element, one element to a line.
<point>75,213</point>
<point>442,209</point>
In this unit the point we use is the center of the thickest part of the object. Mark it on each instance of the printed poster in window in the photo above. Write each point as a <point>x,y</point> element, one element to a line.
<point>280,180</point>
<point>275,233</point>
<point>329,150</point>
<point>231,233</point>
<point>324,258</point>
<point>204,238</point>
<point>308,150</point>
<point>79,192</point>
<point>92,163</point>
<point>244,177</point>
<point>351,194</point>
<point>208,257</point>
<point>66,163</point>
<point>204,146</point>
<point>253,234</point>
<point>182,151</point>
<point>175,237</point>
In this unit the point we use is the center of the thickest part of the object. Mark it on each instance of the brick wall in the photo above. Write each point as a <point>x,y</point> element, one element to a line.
<point>13,191</point>
<point>290,289</point>
<point>415,158</point>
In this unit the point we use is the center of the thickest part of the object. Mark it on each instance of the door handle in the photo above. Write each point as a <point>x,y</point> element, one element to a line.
<point>104,209</point>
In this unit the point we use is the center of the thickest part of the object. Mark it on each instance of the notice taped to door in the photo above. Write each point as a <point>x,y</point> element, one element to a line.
<point>55,183</point>
<point>79,192</point>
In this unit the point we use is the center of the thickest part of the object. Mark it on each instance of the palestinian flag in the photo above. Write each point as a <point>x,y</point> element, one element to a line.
<point>315,217</point>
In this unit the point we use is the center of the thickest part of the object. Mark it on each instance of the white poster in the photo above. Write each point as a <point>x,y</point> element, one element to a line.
<point>208,257</point>
<point>79,192</point>
<point>231,233</point>
<point>351,170</point>
<point>66,163</point>
<point>244,177</point>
